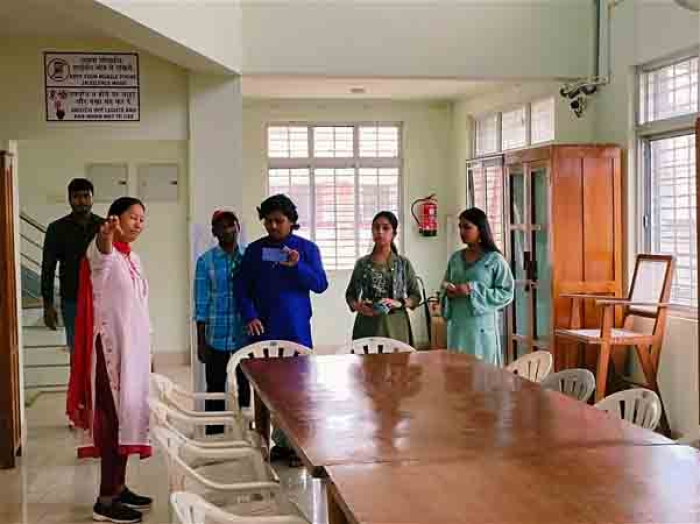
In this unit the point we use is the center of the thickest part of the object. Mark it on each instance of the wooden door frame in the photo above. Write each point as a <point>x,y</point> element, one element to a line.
<point>10,422</point>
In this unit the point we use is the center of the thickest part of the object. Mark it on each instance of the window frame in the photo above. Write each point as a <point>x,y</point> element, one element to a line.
<point>355,162</point>
<point>645,134</point>
<point>499,129</point>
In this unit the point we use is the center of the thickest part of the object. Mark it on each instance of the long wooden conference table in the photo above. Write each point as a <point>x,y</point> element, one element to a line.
<point>438,437</point>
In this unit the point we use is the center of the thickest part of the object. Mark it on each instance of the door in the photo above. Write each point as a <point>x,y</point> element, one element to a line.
<point>528,249</point>
<point>10,428</point>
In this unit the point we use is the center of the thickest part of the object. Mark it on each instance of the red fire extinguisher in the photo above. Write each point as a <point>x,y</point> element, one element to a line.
<point>427,215</point>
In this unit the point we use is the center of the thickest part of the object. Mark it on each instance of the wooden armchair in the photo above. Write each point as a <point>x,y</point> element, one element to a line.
<point>648,298</point>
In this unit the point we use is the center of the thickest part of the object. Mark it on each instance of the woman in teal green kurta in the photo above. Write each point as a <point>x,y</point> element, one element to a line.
<point>478,282</point>
<point>383,287</point>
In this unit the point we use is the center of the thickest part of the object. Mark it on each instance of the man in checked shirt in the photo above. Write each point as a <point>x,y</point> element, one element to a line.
<point>220,330</point>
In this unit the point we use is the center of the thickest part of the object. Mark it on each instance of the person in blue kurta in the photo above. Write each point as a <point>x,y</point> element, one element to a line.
<point>278,273</point>
<point>478,282</point>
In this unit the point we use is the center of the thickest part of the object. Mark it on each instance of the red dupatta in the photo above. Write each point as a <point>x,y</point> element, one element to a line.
<point>79,402</point>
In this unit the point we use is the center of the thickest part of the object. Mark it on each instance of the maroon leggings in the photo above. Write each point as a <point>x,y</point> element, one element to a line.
<point>113,465</point>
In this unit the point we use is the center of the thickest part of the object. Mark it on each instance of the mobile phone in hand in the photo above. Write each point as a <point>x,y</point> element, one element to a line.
<point>274,254</point>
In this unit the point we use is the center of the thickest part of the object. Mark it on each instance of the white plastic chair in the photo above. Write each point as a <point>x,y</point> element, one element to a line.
<point>264,349</point>
<point>186,401</point>
<point>193,428</point>
<point>235,479</point>
<point>575,383</point>
<point>533,366</point>
<point>376,345</point>
<point>190,508</point>
<point>639,406</point>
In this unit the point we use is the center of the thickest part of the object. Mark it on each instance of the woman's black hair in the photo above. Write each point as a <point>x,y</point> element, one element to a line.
<point>477,217</point>
<point>284,205</point>
<point>393,221</point>
<point>122,204</point>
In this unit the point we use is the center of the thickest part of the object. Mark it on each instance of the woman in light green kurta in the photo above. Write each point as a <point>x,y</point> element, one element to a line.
<point>478,282</point>
<point>383,287</point>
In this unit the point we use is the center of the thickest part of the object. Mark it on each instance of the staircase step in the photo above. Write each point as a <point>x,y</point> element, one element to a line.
<point>45,356</point>
<point>46,377</point>
<point>42,337</point>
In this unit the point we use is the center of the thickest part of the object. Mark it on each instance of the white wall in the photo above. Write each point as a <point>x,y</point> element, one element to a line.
<point>47,168</point>
<point>210,29</point>
<point>164,95</point>
<point>426,169</point>
<point>53,153</point>
<point>531,39</point>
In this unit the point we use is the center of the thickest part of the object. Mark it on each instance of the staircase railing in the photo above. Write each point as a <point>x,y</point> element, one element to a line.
<point>30,261</point>
<point>43,369</point>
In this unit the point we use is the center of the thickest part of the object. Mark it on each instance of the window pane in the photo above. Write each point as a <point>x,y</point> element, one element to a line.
<point>335,216</point>
<point>379,142</point>
<point>673,220</point>
<point>333,142</point>
<point>295,183</point>
<point>494,202</point>
<point>513,129</point>
<point>669,91</point>
<point>287,142</point>
<point>487,135</point>
<point>542,119</point>
<point>337,203</point>
<point>378,191</point>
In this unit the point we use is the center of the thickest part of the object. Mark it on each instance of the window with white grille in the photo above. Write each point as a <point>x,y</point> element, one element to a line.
<point>670,218</point>
<point>530,124</point>
<point>514,129</point>
<point>347,174</point>
<point>668,91</point>
<point>487,137</point>
<point>542,121</point>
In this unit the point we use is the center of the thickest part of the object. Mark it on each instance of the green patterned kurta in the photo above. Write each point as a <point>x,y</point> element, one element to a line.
<point>370,281</point>
<point>472,321</point>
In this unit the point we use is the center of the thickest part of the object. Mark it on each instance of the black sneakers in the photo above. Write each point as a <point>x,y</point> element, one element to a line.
<point>116,512</point>
<point>131,500</point>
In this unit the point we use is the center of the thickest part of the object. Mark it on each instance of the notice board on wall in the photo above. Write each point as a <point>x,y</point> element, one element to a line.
<point>92,87</point>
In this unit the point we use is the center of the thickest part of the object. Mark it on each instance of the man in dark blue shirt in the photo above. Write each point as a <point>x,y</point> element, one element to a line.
<point>278,274</point>
<point>65,243</point>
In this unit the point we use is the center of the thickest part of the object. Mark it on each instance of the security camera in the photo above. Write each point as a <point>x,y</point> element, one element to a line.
<point>576,89</point>
<point>578,105</point>
<point>578,92</point>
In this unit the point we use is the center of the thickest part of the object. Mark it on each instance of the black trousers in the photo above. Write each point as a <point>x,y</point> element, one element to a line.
<point>215,369</point>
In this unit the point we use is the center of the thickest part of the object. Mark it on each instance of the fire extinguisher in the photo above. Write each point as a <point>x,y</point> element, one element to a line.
<point>427,215</point>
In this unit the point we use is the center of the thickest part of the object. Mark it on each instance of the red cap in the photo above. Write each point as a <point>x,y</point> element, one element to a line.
<point>221,213</point>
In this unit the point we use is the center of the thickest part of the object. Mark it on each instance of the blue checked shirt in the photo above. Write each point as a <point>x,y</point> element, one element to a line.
<point>215,302</point>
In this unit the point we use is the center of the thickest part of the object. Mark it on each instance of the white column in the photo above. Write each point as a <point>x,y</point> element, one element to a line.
<point>215,166</point>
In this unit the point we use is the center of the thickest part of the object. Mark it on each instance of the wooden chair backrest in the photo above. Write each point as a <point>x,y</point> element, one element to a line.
<point>651,282</point>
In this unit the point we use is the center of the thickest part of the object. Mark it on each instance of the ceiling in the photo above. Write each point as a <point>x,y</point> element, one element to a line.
<point>374,88</point>
<point>42,18</point>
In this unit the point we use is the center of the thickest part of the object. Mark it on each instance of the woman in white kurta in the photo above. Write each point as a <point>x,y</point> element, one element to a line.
<point>112,370</point>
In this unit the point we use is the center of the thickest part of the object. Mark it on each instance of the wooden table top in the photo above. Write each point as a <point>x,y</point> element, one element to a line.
<point>429,406</point>
<point>603,485</point>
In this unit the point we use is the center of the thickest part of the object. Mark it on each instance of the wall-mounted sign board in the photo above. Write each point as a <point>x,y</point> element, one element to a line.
<point>92,87</point>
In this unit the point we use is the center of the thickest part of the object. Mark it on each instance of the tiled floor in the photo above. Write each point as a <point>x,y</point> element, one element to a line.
<point>51,486</point>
